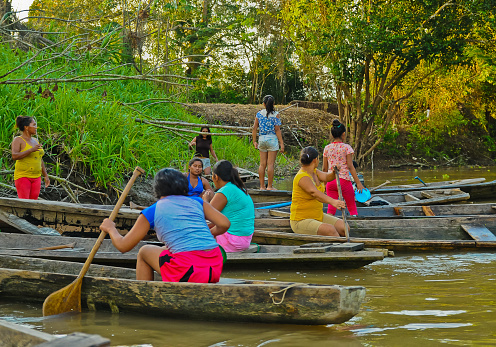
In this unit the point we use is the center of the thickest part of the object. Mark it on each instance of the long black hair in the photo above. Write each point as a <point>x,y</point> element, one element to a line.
<point>308,154</point>
<point>268,100</point>
<point>169,181</point>
<point>337,129</point>
<point>23,121</point>
<point>228,173</point>
<point>209,137</point>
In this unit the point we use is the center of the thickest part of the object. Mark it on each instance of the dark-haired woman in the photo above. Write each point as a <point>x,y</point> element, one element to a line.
<point>203,144</point>
<point>234,202</point>
<point>269,140</point>
<point>29,166</point>
<point>307,216</point>
<point>340,154</point>
<point>197,185</point>
<point>190,253</point>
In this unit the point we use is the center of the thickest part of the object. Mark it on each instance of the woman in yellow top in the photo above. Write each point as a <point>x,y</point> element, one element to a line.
<point>29,166</point>
<point>307,215</point>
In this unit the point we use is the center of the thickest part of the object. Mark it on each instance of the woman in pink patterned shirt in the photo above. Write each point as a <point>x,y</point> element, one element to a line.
<point>338,153</point>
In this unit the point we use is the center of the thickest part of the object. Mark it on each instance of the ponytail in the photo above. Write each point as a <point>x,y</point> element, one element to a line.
<point>23,121</point>
<point>228,173</point>
<point>268,100</point>
<point>337,129</point>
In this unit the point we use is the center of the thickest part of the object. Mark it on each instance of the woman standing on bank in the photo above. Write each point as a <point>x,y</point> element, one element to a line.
<point>269,140</point>
<point>203,144</point>
<point>27,153</point>
<point>307,215</point>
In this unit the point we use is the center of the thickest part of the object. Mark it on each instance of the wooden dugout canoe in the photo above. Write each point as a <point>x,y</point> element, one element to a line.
<point>375,212</point>
<point>66,218</point>
<point>258,195</point>
<point>459,232</point>
<point>228,300</point>
<point>417,198</point>
<point>477,188</point>
<point>289,257</point>
<point>20,335</point>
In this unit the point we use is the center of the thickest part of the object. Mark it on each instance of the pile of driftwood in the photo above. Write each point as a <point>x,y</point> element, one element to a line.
<point>300,126</point>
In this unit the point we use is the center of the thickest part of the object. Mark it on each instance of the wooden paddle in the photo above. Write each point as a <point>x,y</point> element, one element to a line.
<point>68,298</point>
<point>379,186</point>
<point>336,172</point>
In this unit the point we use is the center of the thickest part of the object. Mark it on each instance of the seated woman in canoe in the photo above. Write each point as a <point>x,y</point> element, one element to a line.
<point>190,253</point>
<point>197,185</point>
<point>307,215</point>
<point>233,201</point>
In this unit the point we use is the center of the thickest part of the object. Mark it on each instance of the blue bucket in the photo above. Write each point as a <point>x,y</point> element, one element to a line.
<point>363,196</point>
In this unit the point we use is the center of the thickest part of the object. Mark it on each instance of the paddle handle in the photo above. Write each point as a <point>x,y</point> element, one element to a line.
<point>137,171</point>
<point>343,211</point>
<point>379,186</point>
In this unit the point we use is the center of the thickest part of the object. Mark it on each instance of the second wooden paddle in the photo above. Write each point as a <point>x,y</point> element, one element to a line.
<point>336,172</point>
<point>68,299</point>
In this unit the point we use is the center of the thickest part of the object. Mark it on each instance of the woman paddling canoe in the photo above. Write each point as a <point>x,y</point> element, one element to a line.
<point>307,216</point>
<point>190,253</point>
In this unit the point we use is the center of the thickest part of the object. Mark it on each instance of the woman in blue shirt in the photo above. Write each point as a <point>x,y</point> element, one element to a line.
<point>233,201</point>
<point>190,253</point>
<point>197,185</point>
<point>269,140</point>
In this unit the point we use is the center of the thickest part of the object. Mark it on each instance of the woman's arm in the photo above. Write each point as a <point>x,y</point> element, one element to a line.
<point>219,201</point>
<point>213,152</point>
<point>277,128</point>
<point>221,222</point>
<point>208,192</point>
<point>325,164</point>
<point>349,163</point>
<point>127,242</point>
<point>16,149</point>
<point>254,133</point>
<point>192,143</point>
<point>325,176</point>
<point>309,187</point>
<point>45,174</point>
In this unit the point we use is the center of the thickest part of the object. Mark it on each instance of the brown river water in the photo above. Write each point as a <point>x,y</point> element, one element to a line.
<point>427,299</point>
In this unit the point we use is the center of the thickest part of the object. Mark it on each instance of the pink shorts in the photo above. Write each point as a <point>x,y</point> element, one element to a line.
<point>233,243</point>
<point>193,266</point>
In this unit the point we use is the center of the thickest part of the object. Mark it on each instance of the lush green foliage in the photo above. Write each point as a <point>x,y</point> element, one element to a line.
<point>90,131</point>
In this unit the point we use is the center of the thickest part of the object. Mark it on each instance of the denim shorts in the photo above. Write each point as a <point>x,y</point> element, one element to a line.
<point>268,143</point>
<point>206,162</point>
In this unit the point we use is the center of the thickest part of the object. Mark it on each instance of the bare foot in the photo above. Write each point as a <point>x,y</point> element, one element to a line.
<point>262,188</point>
<point>271,188</point>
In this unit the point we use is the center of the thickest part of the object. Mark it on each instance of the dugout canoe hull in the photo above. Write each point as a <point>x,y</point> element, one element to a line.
<point>281,257</point>
<point>480,190</point>
<point>418,198</point>
<point>376,212</point>
<point>66,218</point>
<point>269,237</point>
<point>258,195</point>
<point>230,300</point>
<point>405,234</point>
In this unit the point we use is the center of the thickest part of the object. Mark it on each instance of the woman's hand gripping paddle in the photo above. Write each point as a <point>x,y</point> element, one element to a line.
<point>336,172</point>
<point>68,298</point>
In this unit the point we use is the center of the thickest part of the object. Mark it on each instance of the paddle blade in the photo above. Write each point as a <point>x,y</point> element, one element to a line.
<point>67,299</point>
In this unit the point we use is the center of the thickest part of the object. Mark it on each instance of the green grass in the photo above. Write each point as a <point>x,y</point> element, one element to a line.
<point>97,136</point>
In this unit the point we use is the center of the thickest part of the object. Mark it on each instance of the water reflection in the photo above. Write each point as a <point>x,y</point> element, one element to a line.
<point>427,299</point>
